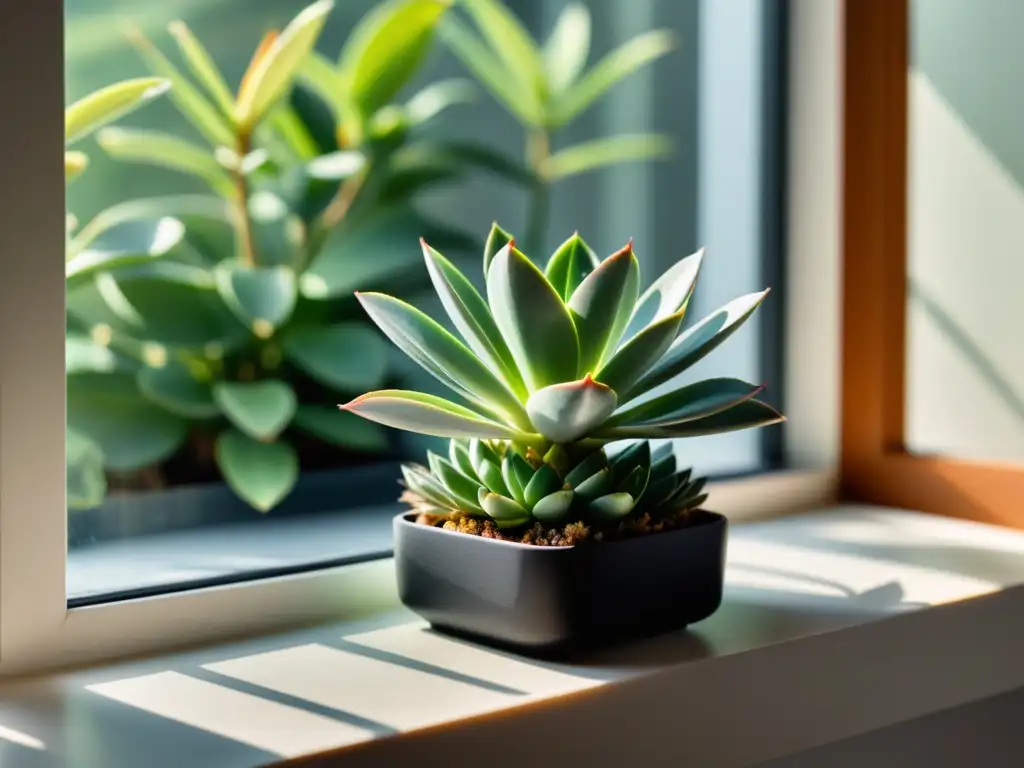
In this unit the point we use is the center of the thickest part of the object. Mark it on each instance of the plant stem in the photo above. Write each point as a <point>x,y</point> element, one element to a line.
<point>339,206</point>
<point>245,237</point>
<point>538,148</point>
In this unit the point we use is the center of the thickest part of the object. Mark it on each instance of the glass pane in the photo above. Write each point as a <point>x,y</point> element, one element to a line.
<point>965,367</point>
<point>186,370</point>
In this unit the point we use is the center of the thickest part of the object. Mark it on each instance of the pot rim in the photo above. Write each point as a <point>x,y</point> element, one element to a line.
<point>717,519</point>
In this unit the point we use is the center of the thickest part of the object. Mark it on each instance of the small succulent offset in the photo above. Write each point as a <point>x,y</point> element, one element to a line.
<point>554,366</point>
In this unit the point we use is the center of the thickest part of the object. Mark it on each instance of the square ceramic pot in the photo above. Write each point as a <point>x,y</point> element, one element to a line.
<point>547,600</point>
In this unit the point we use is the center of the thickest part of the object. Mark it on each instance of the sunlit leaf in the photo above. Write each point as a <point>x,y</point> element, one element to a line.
<point>176,206</point>
<point>386,49</point>
<point>639,355</point>
<point>566,50</point>
<point>699,340</point>
<point>533,320</point>
<point>512,43</point>
<point>272,74</point>
<point>202,66</point>
<point>440,353</point>
<point>571,262</point>
<point>506,512</point>
<point>260,409</point>
<point>336,166</point>
<point>666,295</point>
<point>601,305</point>
<point>746,415</point>
<point>108,104</point>
<point>200,112</point>
<point>497,238</point>
<point>433,99</point>
<point>166,150</point>
<point>489,70</point>
<point>694,401</point>
<point>615,66</point>
<point>427,415</point>
<point>601,153</point>
<point>262,474</point>
<point>319,72</point>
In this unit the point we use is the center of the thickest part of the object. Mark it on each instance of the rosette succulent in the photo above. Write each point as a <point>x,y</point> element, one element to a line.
<point>552,367</point>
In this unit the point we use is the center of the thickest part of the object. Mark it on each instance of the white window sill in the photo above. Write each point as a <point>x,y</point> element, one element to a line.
<point>835,623</point>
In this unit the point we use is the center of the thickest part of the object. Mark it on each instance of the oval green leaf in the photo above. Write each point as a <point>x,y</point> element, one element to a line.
<point>130,243</point>
<point>262,474</point>
<point>262,297</point>
<point>564,413</point>
<point>350,357</point>
<point>108,104</point>
<point>167,151</point>
<point>173,387</point>
<point>260,409</point>
<point>569,265</point>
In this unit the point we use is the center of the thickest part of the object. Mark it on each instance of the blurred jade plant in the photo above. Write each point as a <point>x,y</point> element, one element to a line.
<point>236,344</point>
<point>122,246</point>
<point>546,86</point>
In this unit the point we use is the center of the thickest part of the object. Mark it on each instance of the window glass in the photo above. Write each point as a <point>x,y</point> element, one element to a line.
<point>184,373</point>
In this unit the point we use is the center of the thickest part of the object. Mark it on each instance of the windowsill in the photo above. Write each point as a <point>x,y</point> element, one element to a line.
<point>798,655</point>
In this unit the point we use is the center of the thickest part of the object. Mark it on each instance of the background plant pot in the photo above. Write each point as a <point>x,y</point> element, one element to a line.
<point>548,600</point>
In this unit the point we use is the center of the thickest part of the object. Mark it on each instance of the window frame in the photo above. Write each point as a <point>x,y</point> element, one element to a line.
<point>876,466</point>
<point>38,630</point>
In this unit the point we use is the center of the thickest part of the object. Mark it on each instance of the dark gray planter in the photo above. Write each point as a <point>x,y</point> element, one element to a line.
<point>547,600</point>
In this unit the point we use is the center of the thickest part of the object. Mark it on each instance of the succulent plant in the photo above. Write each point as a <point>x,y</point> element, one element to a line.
<point>552,367</point>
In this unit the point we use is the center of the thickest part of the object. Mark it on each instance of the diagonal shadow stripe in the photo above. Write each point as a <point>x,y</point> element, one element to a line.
<point>403,661</point>
<point>380,729</point>
<point>969,348</point>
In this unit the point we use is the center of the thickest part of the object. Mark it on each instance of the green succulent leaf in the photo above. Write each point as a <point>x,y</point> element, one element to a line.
<point>638,355</point>
<point>554,507</point>
<point>694,401</point>
<point>130,243</point>
<point>262,474</point>
<point>260,409</point>
<point>175,388</point>
<point>601,305</point>
<point>490,70</point>
<point>108,104</point>
<point>564,413</point>
<point>458,455</point>
<point>427,415</point>
<point>566,50</point>
<point>130,431</point>
<point>586,468</point>
<point>497,238</point>
<point>472,318</point>
<point>687,492</point>
<point>749,414</point>
<point>601,153</point>
<point>491,477</point>
<point>440,353</point>
<point>667,295</point>
<point>168,151</point>
<point>421,482</point>
<point>620,63</point>
<point>659,490</point>
<point>700,339</point>
<point>387,48</point>
<point>86,483</point>
<point>533,320</point>
<point>569,265</point>
<point>83,355</point>
<point>433,99</point>
<point>505,512</point>
<point>545,481</point>
<point>347,356</point>
<point>596,485</point>
<point>611,507</point>
<point>480,453</point>
<point>463,489</point>
<point>193,105</point>
<point>635,483</point>
<point>512,43</point>
<point>345,430</point>
<point>202,66</point>
<point>512,479</point>
<point>263,298</point>
<point>638,454</point>
<point>272,73</point>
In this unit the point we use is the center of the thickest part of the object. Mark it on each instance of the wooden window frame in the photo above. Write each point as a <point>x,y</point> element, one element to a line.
<point>875,465</point>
